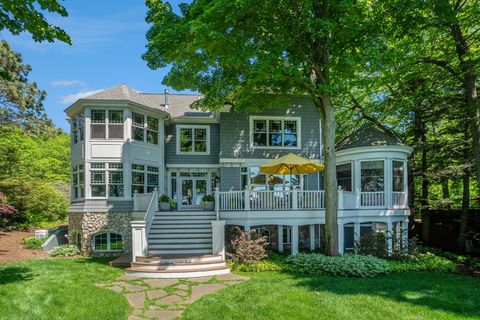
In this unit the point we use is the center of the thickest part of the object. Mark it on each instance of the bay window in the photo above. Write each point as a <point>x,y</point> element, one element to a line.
<point>193,139</point>
<point>398,176</point>
<point>344,176</point>
<point>106,124</point>
<point>106,178</point>
<point>275,133</point>
<point>78,181</point>
<point>144,178</point>
<point>372,176</point>
<point>144,128</point>
<point>78,128</point>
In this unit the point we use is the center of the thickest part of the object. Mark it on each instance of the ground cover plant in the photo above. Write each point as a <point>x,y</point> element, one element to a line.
<point>59,289</point>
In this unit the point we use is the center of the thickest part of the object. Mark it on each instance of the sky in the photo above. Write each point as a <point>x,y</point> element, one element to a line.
<point>108,40</point>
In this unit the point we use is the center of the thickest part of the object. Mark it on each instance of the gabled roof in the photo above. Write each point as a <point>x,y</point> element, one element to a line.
<point>179,105</point>
<point>367,136</point>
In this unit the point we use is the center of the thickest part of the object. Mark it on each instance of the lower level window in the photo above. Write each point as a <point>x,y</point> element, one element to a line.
<point>108,242</point>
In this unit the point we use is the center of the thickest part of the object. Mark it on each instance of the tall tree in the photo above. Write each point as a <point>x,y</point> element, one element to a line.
<point>251,54</point>
<point>19,16</point>
<point>21,101</point>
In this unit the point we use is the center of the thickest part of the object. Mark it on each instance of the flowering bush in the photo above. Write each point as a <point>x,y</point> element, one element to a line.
<point>6,210</point>
<point>247,247</point>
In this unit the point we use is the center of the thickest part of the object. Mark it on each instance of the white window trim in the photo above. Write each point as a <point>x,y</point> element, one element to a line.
<point>145,128</point>
<point>177,139</point>
<point>108,242</point>
<point>384,173</point>
<point>299,131</point>
<point>145,173</point>
<point>289,234</point>
<point>405,174</point>
<point>351,173</point>
<point>106,169</point>
<point>107,123</point>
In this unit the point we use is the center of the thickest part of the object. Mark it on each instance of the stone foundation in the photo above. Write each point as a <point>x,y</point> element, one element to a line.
<point>83,226</point>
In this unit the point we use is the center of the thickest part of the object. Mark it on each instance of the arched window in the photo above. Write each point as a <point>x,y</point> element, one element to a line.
<point>107,241</point>
<point>263,232</point>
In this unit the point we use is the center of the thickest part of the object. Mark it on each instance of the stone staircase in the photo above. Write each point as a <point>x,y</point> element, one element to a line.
<point>179,246</point>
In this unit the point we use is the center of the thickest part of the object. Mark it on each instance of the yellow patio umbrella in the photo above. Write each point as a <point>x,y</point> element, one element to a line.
<point>291,164</point>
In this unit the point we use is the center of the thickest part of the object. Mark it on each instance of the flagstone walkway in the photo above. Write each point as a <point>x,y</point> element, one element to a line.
<point>166,298</point>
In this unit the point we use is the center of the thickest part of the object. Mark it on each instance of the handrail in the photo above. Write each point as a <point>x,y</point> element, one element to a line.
<point>152,208</point>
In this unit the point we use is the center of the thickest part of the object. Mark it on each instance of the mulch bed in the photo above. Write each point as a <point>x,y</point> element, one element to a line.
<point>12,248</point>
<point>467,270</point>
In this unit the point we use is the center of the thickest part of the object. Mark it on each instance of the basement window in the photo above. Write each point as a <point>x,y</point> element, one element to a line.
<point>107,241</point>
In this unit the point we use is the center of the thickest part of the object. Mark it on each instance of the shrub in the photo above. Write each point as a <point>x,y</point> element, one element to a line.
<point>273,262</point>
<point>32,243</point>
<point>345,266</point>
<point>67,250</point>
<point>7,211</point>
<point>372,244</point>
<point>423,262</point>
<point>208,198</point>
<point>247,247</point>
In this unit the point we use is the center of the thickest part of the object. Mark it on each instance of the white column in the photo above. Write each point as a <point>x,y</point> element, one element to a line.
<point>280,238</point>
<point>247,198</point>
<point>319,235</point>
<point>356,232</point>
<point>218,237</point>
<point>312,236</point>
<point>405,235</point>
<point>388,183</point>
<point>161,146</point>
<point>294,240</point>
<point>340,237</point>
<point>295,200</point>
<point>389,231</point>
<point>217,203</point>
<point>139,239</point>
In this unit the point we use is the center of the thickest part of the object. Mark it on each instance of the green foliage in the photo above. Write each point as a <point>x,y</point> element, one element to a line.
<point>19,16</point>
<point>422,262</point>
<point>36,200</point>
<point>344,266</point>
<point>32,243</point>
<point>273,262</point>
<point>208,198</point>
<point>68,250</point>
<point>372,244</point>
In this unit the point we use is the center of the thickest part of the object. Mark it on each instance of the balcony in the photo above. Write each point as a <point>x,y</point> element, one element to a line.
<point>304,200</point>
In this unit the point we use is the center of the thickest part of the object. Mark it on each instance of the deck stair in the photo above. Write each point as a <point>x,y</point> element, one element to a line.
<point>179,246</point>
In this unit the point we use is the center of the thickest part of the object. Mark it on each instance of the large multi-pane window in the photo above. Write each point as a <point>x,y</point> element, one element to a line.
<point>106,124</point>
<point>107,242</point>
<point>398,176</point>
<point>258,181</point>
<point>344,176</point>
<point>372,176</point>
<point>192,139</point>
<point>144,128</point>
<point>144,178</point>
<point>278,133</point>
<point>78,181</point>
<point>78,128</point>
<point>106,178</point>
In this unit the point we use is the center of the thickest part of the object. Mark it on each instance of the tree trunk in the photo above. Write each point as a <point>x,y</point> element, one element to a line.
<point>466,192</point>
<point>327,115</point>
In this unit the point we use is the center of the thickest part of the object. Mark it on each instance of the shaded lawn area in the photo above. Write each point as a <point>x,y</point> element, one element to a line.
<point>59,289</point>
<point>396,296</point>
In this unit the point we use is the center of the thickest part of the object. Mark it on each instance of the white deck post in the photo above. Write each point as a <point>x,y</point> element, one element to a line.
<point>139,239</point>
<point>280,238</point>
<point>294,240</point>
<point>340,237</point>
<point>340,198</point>
<point>312,236</point>
<point>218,238</point>
<point>356,232</point>
<point>247,198</point>
<point>295,199</point>
<point>319,235</point>
<point>217,203</point>
<point>389,235</point>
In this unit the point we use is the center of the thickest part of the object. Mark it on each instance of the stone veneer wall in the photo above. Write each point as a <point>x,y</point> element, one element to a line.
<point>83,226</point>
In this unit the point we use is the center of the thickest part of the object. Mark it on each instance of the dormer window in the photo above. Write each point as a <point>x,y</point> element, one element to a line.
<point>144,128</point>
<point>106,124</point>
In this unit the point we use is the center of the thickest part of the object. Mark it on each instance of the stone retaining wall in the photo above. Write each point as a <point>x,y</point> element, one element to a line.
<point>83,226</point>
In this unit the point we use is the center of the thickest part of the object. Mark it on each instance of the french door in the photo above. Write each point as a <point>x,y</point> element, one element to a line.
<point>192,192</point>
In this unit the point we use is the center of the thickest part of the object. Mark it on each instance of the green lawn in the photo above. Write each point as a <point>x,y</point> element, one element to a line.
<point>59,289</point>
<point>396,296</point>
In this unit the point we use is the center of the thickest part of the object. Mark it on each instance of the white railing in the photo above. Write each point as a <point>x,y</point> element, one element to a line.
<point>233,200</point>
<point>372,199</point>
<point>151,209</point>
<point>399,199</point>
<point>144,207</point>
<point>350,199</point>
<point>141,201</point>
<point>270,200</point>
<point>311,199</point>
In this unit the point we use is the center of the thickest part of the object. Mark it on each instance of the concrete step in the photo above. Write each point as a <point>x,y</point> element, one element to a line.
<point>181,231</point>
<point>181,240</point>
<point>179,266</point>
<point>178,258</point>
<point>181,221</point>
<point>188,273</point>
<point>183,245</point>
<point>181,226</point>
<point>184,217</point>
